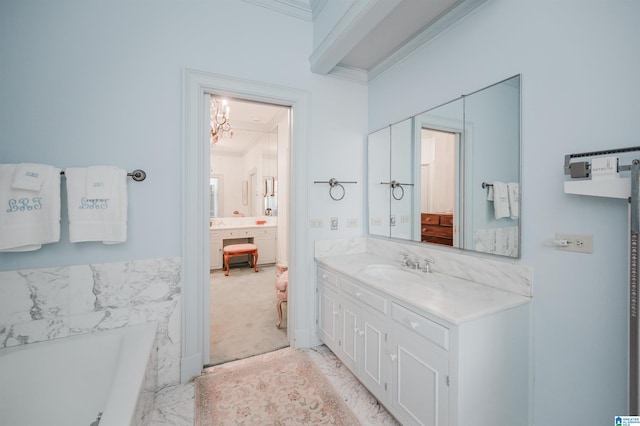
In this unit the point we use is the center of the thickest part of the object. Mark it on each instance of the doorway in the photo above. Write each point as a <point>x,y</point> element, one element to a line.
<point>194,325</point>
<point>253,154</point>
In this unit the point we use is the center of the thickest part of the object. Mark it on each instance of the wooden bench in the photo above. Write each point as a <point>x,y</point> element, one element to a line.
<point>237,250</point>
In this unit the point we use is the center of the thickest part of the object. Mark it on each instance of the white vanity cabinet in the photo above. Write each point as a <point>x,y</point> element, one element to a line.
<point>424,369</point>
<point>262,236</point>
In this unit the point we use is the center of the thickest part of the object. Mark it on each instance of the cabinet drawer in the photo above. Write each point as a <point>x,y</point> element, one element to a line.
<point>266,232</point>
<point>446,220</point>
<point>235,233</point>
<point>327,277</point>
<point>421,325</point>
<point>437,231</point>
<point>430,219</point>
<point>373,300</point>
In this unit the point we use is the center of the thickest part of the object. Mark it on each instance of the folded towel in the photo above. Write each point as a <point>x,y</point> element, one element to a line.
<point>96,219</point>
<point>513,191</point>
<point>29,217</point>
<point>30,176</point>
<point>500,200</point>
<point>507,241</point>
<point>100,181</point>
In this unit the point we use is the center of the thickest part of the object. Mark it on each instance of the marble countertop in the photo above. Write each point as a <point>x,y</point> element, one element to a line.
<point>452,299</point>
<point>246,226</point>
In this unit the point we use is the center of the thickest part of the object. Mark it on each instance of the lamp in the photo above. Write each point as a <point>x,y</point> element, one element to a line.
<point>219,120</point>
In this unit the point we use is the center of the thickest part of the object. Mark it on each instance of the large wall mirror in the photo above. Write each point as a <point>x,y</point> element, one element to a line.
<point>451,175</point>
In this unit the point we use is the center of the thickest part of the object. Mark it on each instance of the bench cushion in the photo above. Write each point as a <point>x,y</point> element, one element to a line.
<point>240,248</point>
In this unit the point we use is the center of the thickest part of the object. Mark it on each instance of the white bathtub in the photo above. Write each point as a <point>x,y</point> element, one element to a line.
<point>70,381</point>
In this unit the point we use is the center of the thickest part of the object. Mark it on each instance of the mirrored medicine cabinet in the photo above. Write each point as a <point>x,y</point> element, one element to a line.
<point>430,177</point>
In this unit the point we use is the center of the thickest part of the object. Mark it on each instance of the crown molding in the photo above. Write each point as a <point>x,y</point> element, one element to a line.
<point>350,73</point>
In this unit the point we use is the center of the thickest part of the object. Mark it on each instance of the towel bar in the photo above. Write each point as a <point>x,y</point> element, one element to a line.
<point>138,175</point>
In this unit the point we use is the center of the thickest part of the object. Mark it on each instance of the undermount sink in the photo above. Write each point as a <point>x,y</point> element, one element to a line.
<point>391,272</point>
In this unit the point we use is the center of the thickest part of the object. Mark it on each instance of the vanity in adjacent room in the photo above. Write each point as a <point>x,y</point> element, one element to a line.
<point>242,230</point>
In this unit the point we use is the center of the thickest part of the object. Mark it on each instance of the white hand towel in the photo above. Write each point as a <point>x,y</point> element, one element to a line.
<point>513,190</point>
<point>100,181</point>
<point>29,218</point>
<point>30,176</point>
<point>500,200</point>
<point>98,219</point>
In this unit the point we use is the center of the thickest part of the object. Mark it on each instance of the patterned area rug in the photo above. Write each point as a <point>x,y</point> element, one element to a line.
<point>279,388</point>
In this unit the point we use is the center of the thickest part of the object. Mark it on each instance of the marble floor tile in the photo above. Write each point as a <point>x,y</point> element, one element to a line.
<point>175,404</point>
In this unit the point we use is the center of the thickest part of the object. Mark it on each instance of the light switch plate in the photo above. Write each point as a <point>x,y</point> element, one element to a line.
<point>576,242</point>
<point>334,223</point>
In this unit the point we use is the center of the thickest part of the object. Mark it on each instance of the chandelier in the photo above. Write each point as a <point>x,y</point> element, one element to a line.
<point>220,125</point>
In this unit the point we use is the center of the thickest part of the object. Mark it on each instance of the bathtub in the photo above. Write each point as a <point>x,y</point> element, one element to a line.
<point>71,381</point>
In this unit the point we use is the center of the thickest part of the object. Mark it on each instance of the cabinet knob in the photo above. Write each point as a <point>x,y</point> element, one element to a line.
<point>358,294</point>
<point>361,332</point>
<point>393,357</point>
<point>413,325</point>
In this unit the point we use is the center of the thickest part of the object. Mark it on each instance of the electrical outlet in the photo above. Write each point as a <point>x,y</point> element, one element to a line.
<point>352,223</point>
<point>404,219</point>
<point>376,221</point>
<point>334,223</point>
<point>316,223</point>
<point>575,242</point>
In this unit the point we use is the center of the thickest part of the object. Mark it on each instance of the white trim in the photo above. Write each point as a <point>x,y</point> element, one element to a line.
<point>197,85</point>
<point>361,17</point>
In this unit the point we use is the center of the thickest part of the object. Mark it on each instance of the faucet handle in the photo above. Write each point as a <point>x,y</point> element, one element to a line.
<point>427,261</point>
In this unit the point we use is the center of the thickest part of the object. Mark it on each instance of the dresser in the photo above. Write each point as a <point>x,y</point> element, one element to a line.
<point>437,228</point>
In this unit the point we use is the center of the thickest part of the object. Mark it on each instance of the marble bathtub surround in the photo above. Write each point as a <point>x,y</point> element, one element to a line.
<point>52,303</point>
<point>502,275</point>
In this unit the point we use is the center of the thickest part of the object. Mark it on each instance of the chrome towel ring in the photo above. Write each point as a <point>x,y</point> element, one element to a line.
<point>395,185</point>
<point>336,190</point>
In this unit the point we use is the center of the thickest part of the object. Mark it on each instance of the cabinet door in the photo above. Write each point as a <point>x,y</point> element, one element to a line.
<point>215,250</point>
<point>349,334</point>
<point>327,315</point>
<point>374,370</point>
<point>420,392</point>
<point>265,239</point>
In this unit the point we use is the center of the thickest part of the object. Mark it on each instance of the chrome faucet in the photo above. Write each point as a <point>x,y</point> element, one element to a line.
<point>408,263</point>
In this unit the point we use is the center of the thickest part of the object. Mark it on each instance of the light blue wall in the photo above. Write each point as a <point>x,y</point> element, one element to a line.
<point>90,82</point>
<point>579,63</point>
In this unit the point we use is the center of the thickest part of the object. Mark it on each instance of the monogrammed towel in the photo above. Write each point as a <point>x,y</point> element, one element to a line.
<point>96,219</point>
<point>29,217</point>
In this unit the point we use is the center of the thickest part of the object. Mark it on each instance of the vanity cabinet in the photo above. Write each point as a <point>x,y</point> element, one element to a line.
<point>423,369</point>
<point>262,236</point>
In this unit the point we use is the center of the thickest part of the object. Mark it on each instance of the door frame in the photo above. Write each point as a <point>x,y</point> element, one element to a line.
<point>197,86</point>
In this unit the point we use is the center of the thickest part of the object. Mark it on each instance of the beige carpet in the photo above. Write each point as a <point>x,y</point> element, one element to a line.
<point>279,388</point>
<point>243,314</point>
